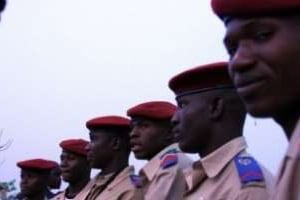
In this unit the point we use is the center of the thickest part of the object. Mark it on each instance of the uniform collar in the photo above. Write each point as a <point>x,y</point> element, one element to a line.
<point>150,169</point>
<point>101,179</point>
<point>214,162</point>
<point>125,173</point>
<point>293,147</point>
<point>194,175</point>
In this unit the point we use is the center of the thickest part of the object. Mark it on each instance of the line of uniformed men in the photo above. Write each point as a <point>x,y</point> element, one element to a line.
<point>262,39</point>
<point>209,121</point>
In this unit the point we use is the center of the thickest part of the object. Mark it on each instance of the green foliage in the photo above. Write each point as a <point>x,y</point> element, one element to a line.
<point>8,186</point>
<point>5,145</point>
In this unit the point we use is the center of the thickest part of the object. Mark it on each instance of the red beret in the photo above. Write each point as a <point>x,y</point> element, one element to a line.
<point>200,79</point>
<point>153,110</point>
<point>75,145</point>
<point>227,8</point>
<point>37,164</point>
<point>108,121</point>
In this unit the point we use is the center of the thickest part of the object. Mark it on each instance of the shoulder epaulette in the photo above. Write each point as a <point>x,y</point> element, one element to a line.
<point>169,159</point>
<point>136,180</point>
<point>170,151</point>
<point>249,170</point>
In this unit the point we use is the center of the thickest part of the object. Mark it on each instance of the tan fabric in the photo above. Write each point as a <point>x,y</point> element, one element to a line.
<point>215,177</point>
<point>80,196</point>
<point>121,188</point>
<point>288,182</point>
<point>168,183</point>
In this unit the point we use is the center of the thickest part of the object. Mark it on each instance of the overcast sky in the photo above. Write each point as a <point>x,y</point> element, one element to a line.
<point>66,61</point>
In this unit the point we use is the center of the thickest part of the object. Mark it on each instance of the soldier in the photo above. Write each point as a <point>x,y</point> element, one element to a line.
<point>209,121</point>
<point>75,169</point>
<point>35,176</point>
<point>109,151</point>
<point>54,183</point>
<point>152,139</point>
<point>263,42</point>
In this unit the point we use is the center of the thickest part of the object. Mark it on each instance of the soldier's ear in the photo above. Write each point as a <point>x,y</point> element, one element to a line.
<point>216,108</point>
<point>116,143</point>
<point>169,135</point>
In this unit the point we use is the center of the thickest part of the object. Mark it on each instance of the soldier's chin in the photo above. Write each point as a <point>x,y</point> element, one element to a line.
<point>66,178</point>
<point>259,110</point>
<point>26,192</point>
<point>186,147</point>
<point>96,165</point>
<point>139,155</point>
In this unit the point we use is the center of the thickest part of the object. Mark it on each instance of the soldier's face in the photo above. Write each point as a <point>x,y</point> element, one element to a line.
<point>32,182</point>
<point>147,139</point>
<point>191,123</point>
<point>73,166</point>
<point>99,150</point>
<point>265,63</point>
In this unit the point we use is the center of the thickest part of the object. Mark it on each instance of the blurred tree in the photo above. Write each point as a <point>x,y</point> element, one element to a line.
<point>7,189</point>
<point>6,144</point>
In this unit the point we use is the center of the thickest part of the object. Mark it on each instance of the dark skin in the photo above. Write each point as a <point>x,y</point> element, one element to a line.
<point>55,179</point>
<point>108,151</point>
<point>206,121</point>
<point>264,65</point>
<point>148,137</point>
<point>34,183</point>
<point>75,170</point>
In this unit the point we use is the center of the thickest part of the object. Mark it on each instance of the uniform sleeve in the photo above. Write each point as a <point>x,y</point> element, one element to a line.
<point>169,184</point>
<point>251,193</point>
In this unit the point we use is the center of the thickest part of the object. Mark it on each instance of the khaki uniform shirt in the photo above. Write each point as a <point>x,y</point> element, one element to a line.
<point>288,182</point>
<point>121,188</point>
<point>163,177</point>
<point>80,196</point>
<point>228,173</point>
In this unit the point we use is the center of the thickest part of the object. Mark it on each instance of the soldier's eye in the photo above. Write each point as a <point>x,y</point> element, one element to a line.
<point>262,35</point>
<point>143,125</point>
<point>231,46</point>
<point>231,50</point>
<point>181,104</point>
